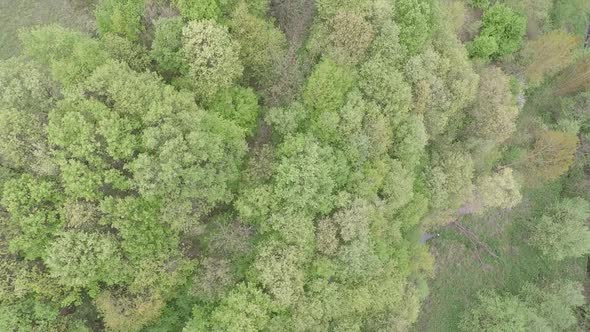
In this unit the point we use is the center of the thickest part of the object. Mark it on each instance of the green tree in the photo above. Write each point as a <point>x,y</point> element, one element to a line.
<point>349,38</point>
<point>386,86</point>
<point>121,17</point>
<point>363,132</point>
<point>124,50</point>
<point>128,312</point>
<point>329,8</point>
<point>493,117</point>
<point>239,105</point>
<point>556,302</point>
<point>79,259</point>
<point>449,177</point>
<point>443,84</point>
<point>409,141</point>
<point>413,17</point>
<point>483,4</point>
<point>69,55</point>
<point>501,25</point>
<point>305,177</point>
<point>30,203</point>
<point>547,55</point>
<point>212,55</point>
<point>245,309</point>
<point>198,10</point>
<point>26,95</point>
<point>499,190</point>
<point>31,315</point>
<point>501,313</point>
<point>562,231</point>
<point>551,156</point>
<point>279,269</point>
<point>398,186</point>
<point>483,47</point>
<point>571,15</point>
<point>261,46</point>
<point>167,47</point>
<point>173,162</point>
<point>213,279</point>
<point>327,86</point>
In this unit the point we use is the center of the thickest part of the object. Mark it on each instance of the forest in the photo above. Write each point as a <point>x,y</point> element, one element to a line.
<point>294,165</point>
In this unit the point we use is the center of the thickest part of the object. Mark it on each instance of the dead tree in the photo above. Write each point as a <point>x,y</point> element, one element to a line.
<point>473,238</point>
<point>587,40</point>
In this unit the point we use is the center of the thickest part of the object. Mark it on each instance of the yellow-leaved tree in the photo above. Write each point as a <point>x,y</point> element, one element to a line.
<point>548,54</point>
<point>551,156</point>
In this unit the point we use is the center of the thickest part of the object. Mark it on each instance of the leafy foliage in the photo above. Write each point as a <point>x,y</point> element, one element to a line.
<point>499,190</point>
<point>350,36</point>
<point>562,232</point>
<point>261,46</point>
<point>69,55</point>
<point>551,156</point>
<point>501,33</point>
<point>231,165</point>
<point>327,86</point>
<point>212,57</point>
<point>413,16</point>
<point>121,17</point>
<point>167,48</point>
<point>80,259</point>
<point>548,54</point>
<point>202,10</point>
<point>494,114</point>
<point>501,313</point>
<point>27,95</point>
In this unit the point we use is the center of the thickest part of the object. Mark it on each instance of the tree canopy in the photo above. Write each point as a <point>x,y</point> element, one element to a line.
<point>233,165</point>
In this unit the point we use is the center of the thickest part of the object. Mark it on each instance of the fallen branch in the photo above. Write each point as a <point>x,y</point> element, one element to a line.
<point>473,238</point>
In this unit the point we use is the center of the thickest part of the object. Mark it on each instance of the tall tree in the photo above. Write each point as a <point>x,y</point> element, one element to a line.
<point>502,30</point>
<point>562,231</point>
<point>574,78</point>
<point>349,38</point>
<point>498,190</point>
<point>547,55</point>
<point>551,156</point>
<point>26,96</point>
<point>212,56</point>
<point>501,313</point>
<point>121,17</point>
<point>493,117</point>
<point>261,46</point>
